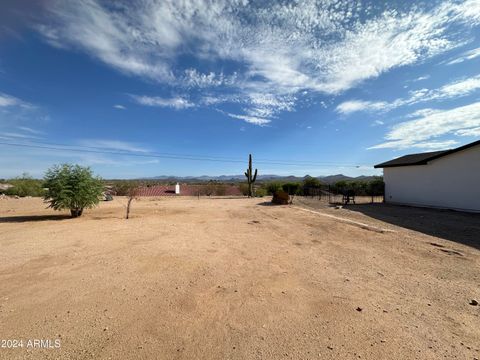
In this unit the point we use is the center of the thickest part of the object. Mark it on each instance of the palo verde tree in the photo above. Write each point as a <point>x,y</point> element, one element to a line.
<point>250,179</point>
<point>72,187</point>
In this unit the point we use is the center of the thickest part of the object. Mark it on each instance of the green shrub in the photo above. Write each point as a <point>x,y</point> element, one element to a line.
<point>291,188</point>
<point>72,187</point>
<point>273,187</point>
<point>311,182</point>
<point>376,187</point>
<point>260,192</point>
<point>123,187</point>
<point>25,186</point>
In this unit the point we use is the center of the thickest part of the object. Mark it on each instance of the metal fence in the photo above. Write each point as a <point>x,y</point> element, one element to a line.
<point>330,195</point>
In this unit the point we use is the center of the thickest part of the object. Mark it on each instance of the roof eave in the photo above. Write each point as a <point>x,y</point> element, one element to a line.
<point>381,166</point>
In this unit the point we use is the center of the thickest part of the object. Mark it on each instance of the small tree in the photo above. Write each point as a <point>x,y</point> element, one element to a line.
<point>311,186</point>
<point>311,182</point>
<point>132,192</point>
<point>72,187</point>
<point>376,187</point>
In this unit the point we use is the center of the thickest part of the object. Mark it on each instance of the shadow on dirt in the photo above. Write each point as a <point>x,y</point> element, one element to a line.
<point>33,218</point>
<point>267,203</point>
<point>463,228</point>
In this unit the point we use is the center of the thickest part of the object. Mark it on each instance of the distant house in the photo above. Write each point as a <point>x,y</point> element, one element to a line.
<point>444,179</point>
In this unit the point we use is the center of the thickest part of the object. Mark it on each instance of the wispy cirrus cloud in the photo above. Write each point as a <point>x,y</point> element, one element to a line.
<point>452,90</point>
<point>22,133</point>
<point>427,126</point>
<point>30,130</point>
<point>174,102</point>
<point>421,78</point>
<point>18,118</point>
<point>467,55</point>
<point>108,144</point>
<point>468,132</point>
<point>12,101</point>
<point>274,48</point>
<point>351,106</point>
<point>250,119</point>
<point>194,78</point>
<point>17,135</point>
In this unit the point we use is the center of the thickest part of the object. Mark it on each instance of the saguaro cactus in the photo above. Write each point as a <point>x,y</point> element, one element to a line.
<point>250,179</point>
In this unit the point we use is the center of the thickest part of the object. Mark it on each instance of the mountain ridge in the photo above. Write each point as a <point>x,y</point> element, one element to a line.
<point>329,179</point>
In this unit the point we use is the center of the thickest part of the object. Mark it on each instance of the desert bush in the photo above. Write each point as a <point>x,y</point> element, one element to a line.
<point>25,186</point>
<point>310,186</point>
<point>243,188</point>
<point>207,189</point>
<point>123,187</point>
<point>291,188</point>
<point>260,192</point>
<point>376,187</point>
<point>280,197</point>
<point>212,188</point>
<point>273,187</point>
<point>72,187</point>
<point>220,189</point>
<point>311,182</point>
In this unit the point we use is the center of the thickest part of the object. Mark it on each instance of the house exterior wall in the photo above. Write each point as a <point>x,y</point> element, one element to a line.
<point>451,182</point>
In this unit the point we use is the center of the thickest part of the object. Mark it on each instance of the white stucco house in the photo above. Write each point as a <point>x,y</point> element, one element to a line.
<point>447,179</point>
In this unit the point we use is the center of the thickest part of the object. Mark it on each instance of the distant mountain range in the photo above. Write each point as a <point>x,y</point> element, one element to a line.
<point>330,179</point>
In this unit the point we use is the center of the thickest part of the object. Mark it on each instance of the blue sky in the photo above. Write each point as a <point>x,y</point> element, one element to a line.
<point>325,87</point>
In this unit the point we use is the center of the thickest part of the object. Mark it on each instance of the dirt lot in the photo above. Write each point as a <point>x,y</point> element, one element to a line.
<point>238,279</point>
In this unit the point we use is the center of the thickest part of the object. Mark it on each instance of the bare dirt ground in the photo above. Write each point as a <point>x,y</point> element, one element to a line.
<point>236,279</point>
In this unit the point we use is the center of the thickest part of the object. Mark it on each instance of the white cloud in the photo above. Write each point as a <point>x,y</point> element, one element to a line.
<point>467,55</point>
<point>6,100</point>
<point>16,135</point>
<point>250,119</point>
<point>279,49</point>
<point>194,78</point>
<point>119,107</point>
<point>11,101</point>
<point>17,118</point>
<point>468,132</point>
<point>19,133</point>
<point>456,89</point>
<point>421,78</point>
<point>108,36</point>
<point>30,130</point>
<point>112,145</point>
<point>451,90</point>
<point>425,145</point>
<point>266,105</point>
<point>423,130</point>
<point>351,106</point>
<point>122,161</point>
<point>175,102</point>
